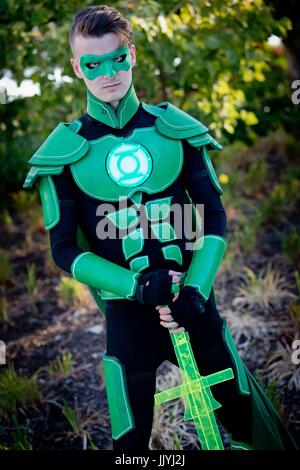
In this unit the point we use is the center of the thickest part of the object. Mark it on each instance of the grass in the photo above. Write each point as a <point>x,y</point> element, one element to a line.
<point>24,200</point>
<point>5,268</point>
<point>6,219</point>
<point>169,430</point>
<point>255,178</point>
<point>297,280</point>
<point>73,419</point>
<point>17,392</point>
<point>4,317</point>
<point>246,326</point>
<point>282,369</point>
<point>291,246</point>
<point>246,238</point>
<point>294,313</point>
<point>272,390</point>
<point>78,425</point>
<point>70,291</point>
<point>31,280</point>
<point>273,208</point>
<point>264,291</point>
<point>31,286</point>
<point>61,367</point>
<point>19,437</point>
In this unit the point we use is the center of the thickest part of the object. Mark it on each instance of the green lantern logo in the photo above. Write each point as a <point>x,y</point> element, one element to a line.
<point>129,164</point>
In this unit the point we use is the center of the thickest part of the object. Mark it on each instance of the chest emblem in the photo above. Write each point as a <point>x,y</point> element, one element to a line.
<point>129,164</point>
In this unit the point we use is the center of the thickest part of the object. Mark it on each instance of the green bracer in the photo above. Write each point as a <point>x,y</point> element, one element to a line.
<point>207,257</point>
<point>101,273</point>
<point>195,390</point>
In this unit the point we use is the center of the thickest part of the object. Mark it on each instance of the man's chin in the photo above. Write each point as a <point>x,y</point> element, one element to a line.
<point>107,98</point>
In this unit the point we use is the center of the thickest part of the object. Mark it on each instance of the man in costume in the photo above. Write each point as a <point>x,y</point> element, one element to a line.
<point>151,157</point>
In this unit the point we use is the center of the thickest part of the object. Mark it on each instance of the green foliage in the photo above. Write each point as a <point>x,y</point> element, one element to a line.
<point>31,280</point>
<point>291,246</point>
<point>272,390</point>
<point>17,392</point>
<point>69,290</point>
<point>266,290</point>
<point>5,267</point>
<point>274,206</point>
<point>61,366</point>
<point>4,317</point>
<point>6,219</point>
<point>20,436</point>
<point>220,76</point>
<point>297,279</point>
<point>246,237</point>
<point>24,200</point>
<point>255,178</point>
<point>72,418</point>
<point>294,313</point>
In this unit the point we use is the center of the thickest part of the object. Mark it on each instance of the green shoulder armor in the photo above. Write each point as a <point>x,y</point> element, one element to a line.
<point>174,123</point>
<point>62,147</point>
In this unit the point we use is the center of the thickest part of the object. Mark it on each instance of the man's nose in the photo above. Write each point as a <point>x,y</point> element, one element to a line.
<point>109,71</point>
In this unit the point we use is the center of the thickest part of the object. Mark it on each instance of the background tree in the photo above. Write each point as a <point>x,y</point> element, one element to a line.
<point>209,58</point>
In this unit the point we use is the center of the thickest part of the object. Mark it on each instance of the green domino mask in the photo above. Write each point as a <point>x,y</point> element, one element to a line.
<point>105,64</point>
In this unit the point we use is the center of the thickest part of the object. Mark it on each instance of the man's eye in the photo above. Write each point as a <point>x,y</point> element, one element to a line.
<point>92,65</point>
<point>121,58</point>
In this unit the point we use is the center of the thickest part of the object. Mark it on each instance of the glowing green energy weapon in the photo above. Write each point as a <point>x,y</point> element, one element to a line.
<point>195,390</point>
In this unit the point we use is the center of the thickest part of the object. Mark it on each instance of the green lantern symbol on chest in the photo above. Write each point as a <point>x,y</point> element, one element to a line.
<point>129,164</point>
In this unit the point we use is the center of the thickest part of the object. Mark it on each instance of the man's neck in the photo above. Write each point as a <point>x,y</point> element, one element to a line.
<point>115,104</point>
<point>113,116</point>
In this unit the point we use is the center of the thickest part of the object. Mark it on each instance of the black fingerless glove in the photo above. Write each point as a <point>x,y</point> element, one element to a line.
<point>155,288</point>
<point>187,306</point>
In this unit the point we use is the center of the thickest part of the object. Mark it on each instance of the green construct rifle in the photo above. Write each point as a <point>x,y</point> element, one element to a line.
<point>195,390</point>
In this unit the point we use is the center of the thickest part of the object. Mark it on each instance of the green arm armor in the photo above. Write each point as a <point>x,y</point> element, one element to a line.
<point>49,199</point>
<point>211,171</point>
<point>62,147</point>
<point>207,257</point>
<point>100,273</point>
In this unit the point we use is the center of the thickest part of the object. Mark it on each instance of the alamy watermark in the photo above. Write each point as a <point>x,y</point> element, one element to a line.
<point>3,95</point>
<point>296,94</point>
<point>296,354</point>
<point>2,353</point>
<point>153,220</point>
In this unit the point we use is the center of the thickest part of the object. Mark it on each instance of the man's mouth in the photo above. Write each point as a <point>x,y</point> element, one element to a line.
<point>111,86</point>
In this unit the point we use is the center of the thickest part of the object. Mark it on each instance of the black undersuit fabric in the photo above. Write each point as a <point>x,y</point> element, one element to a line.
<point>134,333</point>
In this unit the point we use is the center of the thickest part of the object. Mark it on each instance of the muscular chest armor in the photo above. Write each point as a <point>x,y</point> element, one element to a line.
<point>117,167</point>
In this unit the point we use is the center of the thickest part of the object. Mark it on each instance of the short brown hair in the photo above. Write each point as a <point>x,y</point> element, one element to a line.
<point>99,20</point>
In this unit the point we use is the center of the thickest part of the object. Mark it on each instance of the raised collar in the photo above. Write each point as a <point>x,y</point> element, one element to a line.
<point>107,114</point>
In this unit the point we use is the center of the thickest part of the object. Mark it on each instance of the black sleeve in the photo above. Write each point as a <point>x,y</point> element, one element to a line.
<point>63,241</point>
<point>202,191</point>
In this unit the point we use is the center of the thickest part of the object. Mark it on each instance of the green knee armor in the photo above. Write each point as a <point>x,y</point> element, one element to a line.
<point>121,416</point>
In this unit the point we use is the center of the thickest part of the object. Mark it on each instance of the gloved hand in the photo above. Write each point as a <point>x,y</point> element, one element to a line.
<point>155,288</point>
<point>187,306</point>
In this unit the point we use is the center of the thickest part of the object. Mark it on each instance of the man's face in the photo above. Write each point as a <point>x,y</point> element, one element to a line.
<point>100,86</point>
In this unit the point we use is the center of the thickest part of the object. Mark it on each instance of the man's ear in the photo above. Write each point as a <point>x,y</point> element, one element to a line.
<point>132,55</point>
<point>76,68</point>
